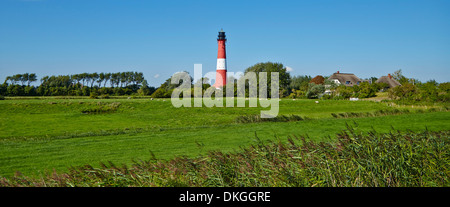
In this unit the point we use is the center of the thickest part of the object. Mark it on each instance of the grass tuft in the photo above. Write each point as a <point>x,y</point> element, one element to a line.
<point>101,108</point>
<point>257,119</point>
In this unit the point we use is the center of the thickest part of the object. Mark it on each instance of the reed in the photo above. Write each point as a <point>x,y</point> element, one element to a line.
<point>395,159</point>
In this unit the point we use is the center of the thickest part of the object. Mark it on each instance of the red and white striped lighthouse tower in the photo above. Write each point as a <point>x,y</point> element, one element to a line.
<point>221,70</point>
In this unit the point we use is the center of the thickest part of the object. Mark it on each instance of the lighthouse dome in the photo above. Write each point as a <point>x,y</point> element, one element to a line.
<point>221,35</point>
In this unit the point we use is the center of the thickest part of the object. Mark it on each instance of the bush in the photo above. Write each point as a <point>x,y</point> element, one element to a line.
<point>326,97</point>
<point>297,94</point>
<point>162,93</point>
<point>2,97</point>
<point>315,90</point>
<point>93,95</point>
<point>430,92</point>
<point>104,96</point>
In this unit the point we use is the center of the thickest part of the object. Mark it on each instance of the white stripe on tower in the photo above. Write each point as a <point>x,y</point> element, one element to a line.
<point>221,64</point>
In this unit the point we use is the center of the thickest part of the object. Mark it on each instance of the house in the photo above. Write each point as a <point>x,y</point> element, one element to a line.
<point>388,80</point>
<point>347,79</point>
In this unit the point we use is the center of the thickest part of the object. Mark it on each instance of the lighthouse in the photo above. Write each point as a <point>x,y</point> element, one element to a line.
<point>221,69</point>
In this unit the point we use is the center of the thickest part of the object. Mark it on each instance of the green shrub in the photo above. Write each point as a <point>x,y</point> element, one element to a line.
<point>326,97</point>
<point>93,95</point>
<point>314,91</point>
<point>104,96</point>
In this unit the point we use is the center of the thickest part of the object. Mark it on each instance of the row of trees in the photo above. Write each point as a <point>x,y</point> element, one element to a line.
<point>363,90</point>
<point>316,87</point>
<point>89,79</point>
<point>129,83</point>
<point>122,79</point>
<point>22,78</point>
<point>312,88</point>
<point>411,90</point>
<point>293,87</point>
<point>166,88</point>
<point>430,91</point>
<point>307,87</point>
<point>83,84</point>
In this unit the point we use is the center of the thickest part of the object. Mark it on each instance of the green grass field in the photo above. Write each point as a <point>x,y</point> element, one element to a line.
<point>39,135</point>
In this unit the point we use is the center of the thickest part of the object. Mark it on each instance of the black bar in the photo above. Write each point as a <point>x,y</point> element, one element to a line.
<point>228,196</point>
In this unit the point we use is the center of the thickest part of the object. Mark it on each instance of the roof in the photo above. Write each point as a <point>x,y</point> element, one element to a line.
<point>347,79</point>
<point>389,80</point>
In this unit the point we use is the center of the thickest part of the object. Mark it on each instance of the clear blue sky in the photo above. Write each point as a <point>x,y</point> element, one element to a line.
<point>316,37</point>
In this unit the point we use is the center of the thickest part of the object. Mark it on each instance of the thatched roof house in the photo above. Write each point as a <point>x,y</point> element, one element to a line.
<point>388,80</point>
<point>347,79</point>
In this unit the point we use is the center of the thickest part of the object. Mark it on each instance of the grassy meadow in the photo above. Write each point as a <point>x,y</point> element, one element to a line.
<point>40,135</point>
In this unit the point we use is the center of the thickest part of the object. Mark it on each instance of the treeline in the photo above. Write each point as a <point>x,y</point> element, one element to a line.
<point>306,87</point>
<point>301,87</point>
<point>83,84</point>
<point>411,90</point>
<point>22,78</point>
<point>319,87</point>
<point>430,91</point>
<point>166,89</point>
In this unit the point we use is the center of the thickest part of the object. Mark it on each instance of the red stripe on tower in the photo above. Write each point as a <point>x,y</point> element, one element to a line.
<point>221,70</point>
